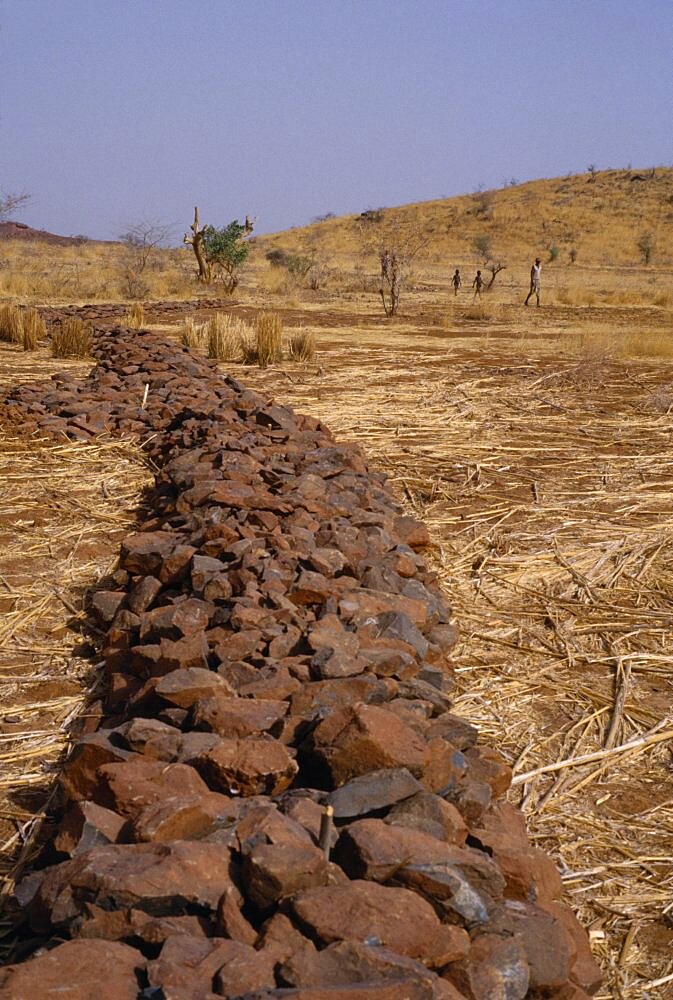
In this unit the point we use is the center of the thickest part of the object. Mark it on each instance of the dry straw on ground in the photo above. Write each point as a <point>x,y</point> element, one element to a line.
<point>549,499</point>
<point>63,509</point>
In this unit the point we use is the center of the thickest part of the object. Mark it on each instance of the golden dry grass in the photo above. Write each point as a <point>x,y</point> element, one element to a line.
<point>268,338</point>
<point>301,346</point>
<point>11,324</point>
<point>72,339</point>
<point>135,316</point>
<point>227,336</point>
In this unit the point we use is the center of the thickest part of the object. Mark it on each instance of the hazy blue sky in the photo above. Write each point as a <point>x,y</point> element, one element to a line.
<point>286,109</point>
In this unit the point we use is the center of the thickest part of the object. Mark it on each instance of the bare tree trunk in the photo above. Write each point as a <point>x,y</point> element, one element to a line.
<point>196,243</point>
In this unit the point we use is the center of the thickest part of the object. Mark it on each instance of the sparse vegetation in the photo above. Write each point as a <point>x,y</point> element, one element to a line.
<point>646,246</point>
<point>33,329</point>
<point>135,317</point>
<point>268,338</point>
<point>192,334</point>
<point>225,336</point>
<point>220,253</point>
<point>301,346</point>
<point>10,203</point>
<point>71,340</point>
<point>11,324</point>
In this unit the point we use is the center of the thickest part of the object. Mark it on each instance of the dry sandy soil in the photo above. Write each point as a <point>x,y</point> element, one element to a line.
<point>539,453</point>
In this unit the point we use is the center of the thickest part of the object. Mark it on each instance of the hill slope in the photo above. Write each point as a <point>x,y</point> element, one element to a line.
<point>600,217</point>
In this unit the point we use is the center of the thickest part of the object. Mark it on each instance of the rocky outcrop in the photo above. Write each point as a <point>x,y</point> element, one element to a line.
<point>278,801</point>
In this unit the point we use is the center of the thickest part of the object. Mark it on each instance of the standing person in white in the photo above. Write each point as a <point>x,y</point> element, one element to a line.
<point>535,281</point>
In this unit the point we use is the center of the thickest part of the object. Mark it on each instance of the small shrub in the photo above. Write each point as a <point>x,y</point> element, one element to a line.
<point>277,257</point>
<point>646,246</point>
<point>192,334</point>
<point>302,346</point>
<point>11,325</point>
<point>135,316</point>
<point>372,215</point>
<point>554,252</point>
<point>572,253</point>
<point>33,329</point>
<point>664,299</point>
<point>482,244</point>
<point>269,338</point>
<point>71,340</point>
<point>224,335</point>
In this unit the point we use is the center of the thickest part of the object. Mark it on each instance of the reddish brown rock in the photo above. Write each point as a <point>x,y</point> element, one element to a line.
<point>584,970</point>
<point>495,969</point>
<point>87,825</point>
<point>352,962</point>
<point>237,717</point>
<point>73,971</point>
<point>135,784</point>
<point>399,919</point>
<point>364,738</point>
<point>247,767</point>
<point>243,970</point>
<point>185,687</point>
<point>79,779</point>
<point>272,872</point>
<point>488,765</point>
<point>182,817</point>
<point>187,967</point>
<point>280,938</point>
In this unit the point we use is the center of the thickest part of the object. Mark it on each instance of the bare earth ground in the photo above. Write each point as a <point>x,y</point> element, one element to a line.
<point>543,466</point>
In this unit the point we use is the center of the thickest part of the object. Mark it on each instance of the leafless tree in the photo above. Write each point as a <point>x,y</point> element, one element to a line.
<point>142,238</point>
<point>9,203</point>
<point>396,240</point>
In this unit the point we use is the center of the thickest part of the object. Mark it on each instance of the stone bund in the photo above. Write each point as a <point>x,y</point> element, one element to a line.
<point>273,798</point>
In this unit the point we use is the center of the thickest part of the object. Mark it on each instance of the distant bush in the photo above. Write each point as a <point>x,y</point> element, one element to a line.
<point>372,215</point>
<point>573,255</point>
<point>646,246</point>
<point>323,218</point>
<point>482,244</point>
<point>554,252</point>
<point>71,340</point>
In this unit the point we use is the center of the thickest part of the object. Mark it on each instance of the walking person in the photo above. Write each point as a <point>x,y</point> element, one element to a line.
<point>478,285</point>
<point>456,281</point>
<point>535,281</point>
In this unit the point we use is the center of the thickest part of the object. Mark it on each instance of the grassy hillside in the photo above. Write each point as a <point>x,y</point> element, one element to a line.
<point>587,229</point>
<point>600,217</point>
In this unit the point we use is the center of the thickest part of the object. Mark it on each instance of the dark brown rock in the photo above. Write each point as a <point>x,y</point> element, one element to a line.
<point>432,815</point>
<point>273,871</point>
<point>373,791</point>
<point>87,825</point>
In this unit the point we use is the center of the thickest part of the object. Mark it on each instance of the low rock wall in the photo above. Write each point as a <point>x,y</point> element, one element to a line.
<point>274,798</point>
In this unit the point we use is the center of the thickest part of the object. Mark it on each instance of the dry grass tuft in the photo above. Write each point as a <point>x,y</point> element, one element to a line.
<point>11,325</point>
<point>301,346</point>
<point>72,340</point>
<point>135,316</point>
<point>268,338</point>
<point>34,329</point>
<point>225,335</point>
<point>192,334</point>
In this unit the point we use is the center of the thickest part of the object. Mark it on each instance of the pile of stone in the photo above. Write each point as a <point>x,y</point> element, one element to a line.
<point>274,798</point>
<point>107,312</point>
